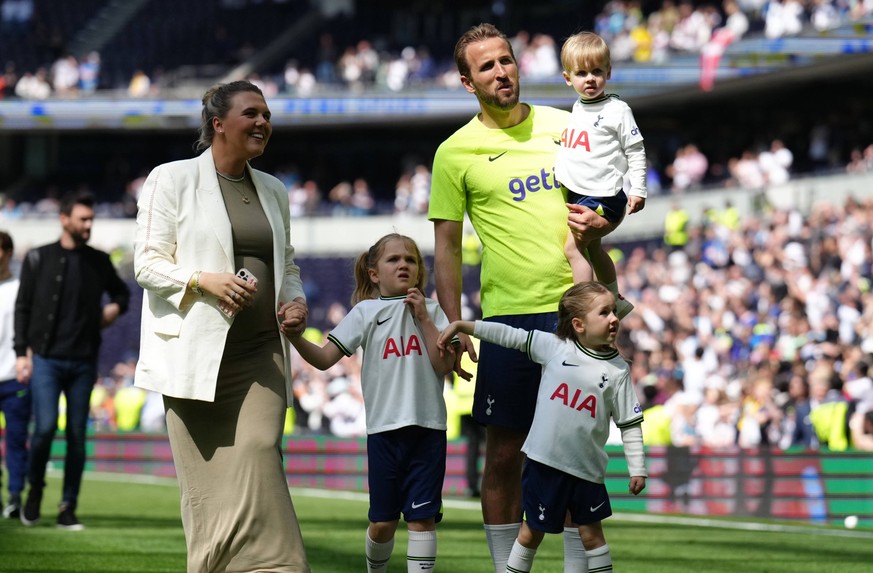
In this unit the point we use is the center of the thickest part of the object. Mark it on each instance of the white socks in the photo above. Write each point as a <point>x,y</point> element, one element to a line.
<point>520,559</point>
<point>421,551</point>
<point>599,560</point>
<point>378,554</point>
<point>500,541</point>
<point>575,560</point>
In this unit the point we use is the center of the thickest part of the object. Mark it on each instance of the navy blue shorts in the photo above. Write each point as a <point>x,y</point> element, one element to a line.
<point>549,493</point>
<point>406,471</point>
<point>611,208</point>
<point>506,380</point>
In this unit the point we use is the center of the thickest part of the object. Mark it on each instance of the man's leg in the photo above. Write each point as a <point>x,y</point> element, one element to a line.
<point>472,431</point>
<point>77,388</point>
<point>16,409</point>
<point>45,391</point>
<point>501,491</point>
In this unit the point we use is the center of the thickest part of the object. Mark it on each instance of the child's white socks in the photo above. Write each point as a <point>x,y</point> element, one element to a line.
<point>378,555</point>
<point>421,551</point>
<point>520,559</point>
<point>575,560</point>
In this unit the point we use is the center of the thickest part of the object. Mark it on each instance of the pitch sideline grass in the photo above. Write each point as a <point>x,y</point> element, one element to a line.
<point>133,526</point>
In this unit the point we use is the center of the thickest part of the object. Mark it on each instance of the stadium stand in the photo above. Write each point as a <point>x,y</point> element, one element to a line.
<point>344,132</point>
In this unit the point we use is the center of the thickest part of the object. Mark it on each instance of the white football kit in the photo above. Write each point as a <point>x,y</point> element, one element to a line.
<point>580,391</point>
<point>600,146</point>
<point>398,380</point>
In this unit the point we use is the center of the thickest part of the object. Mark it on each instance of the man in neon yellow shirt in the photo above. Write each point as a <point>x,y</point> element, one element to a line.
<point>498,169</point>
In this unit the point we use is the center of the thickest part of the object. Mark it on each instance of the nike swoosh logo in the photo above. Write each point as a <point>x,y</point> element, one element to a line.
<point>565,363</point>
<point>417,505</point>
<point>495,157</point>
<point>383,321</point>
<point>596,507</point>
<point>557,141</point>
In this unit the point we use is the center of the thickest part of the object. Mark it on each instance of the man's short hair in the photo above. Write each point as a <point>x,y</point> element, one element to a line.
<point>478,33</point>
<point>6,241</point>
<point>74,198</point>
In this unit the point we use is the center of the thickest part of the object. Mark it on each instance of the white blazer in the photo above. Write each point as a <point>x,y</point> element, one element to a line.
<point>182,227</point>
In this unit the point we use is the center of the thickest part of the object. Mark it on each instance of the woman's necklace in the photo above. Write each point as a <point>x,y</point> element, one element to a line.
<point>235,184</point>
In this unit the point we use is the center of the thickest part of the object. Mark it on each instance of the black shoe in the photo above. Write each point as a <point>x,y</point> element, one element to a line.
<point>12,510</point>
<point>67,519</point>
<point>30,513</point>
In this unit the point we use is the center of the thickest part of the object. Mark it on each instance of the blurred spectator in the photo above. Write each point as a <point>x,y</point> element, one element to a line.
<point>746,171</point>
<point>305,199</point>
<point>306,84</point>
<point>642,41</point>
<point>152,417</point>
<point>419,187</point>
<point>692,31</point>
<point>269,88</point>
<point>349,68</point>
<point>340,197</point>
<point>326,58</point>
<point>760,420</point>
<point>783,18</point>
<point>395,70</point>
<point>676,226</point>
<point>688,168</point>
<point>824,15</point>
<point>345,408</point>
<point>65,76</point>
<point>861,427</point>
<point>89,73</point>
<point>519,44</point>
<point>717,420</point>
<point>667,15</point>
<point>361,202</point>
<point>540,58</point>
<point>775,163</point>
<point>140,85</point>
<point>8,80</point>
<point>368,61</point>
<point>33,86</point>
<point>861,161</point>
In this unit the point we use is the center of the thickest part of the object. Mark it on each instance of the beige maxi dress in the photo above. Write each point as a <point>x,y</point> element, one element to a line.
<point>236,508</point>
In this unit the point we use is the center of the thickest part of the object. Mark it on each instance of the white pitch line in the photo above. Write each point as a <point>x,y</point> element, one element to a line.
<point>652,518</point>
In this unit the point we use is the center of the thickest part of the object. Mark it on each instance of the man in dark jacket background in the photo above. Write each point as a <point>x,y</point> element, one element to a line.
<point>59,314</point>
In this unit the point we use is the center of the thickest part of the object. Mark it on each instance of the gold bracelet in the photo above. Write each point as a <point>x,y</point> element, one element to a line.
<point>195,284</point>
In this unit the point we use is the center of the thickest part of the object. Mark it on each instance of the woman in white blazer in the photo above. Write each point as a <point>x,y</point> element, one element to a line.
<point>212,341</point>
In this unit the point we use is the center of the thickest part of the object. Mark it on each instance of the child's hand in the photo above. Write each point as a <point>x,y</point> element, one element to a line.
<point>635,204</point>
<point>416,303</point>
<point>444,342</point>
<point>637,484</point>
<point>292,318</point>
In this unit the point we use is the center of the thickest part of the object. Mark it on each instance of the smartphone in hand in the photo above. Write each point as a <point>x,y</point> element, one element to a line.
<point>247,276</point>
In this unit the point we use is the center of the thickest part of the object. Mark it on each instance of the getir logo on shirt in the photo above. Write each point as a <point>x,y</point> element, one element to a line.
<point>521,186</point>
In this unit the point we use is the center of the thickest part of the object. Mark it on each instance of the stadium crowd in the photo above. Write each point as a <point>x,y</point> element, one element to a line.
<point>690,170</point>
<point>753,332</point>
<point>738,331</point>
<point>672,30</point>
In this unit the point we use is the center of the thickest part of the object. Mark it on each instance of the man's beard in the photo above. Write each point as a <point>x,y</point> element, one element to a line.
<point>494,100</point>
<point>80,238</point>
